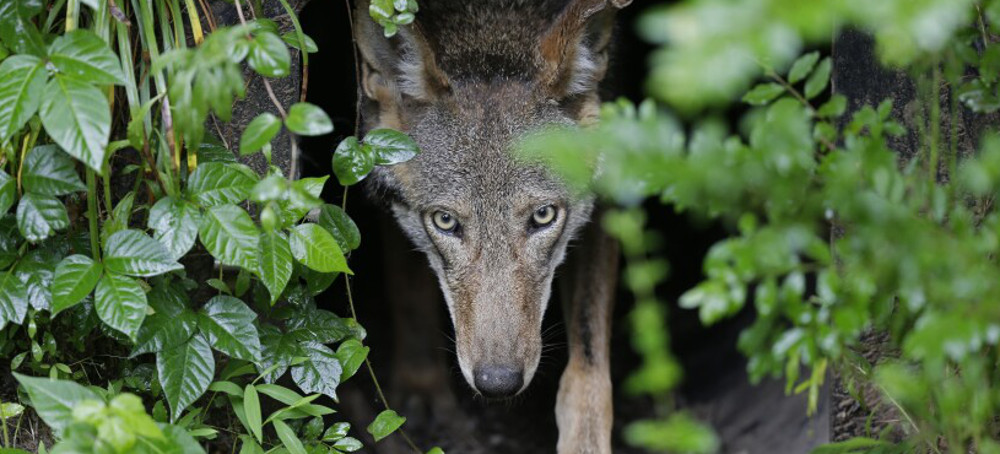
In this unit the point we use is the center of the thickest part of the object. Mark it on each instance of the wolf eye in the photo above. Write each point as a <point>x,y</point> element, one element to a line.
<point>444,221</point>
<point>543,216</point>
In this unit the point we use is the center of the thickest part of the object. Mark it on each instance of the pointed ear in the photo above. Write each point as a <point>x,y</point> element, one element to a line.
<point>572,55</point>
<point>397,68</point>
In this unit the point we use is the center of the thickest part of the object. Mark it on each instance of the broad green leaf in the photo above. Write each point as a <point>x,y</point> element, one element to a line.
<point>763,94</point>
<point>175,224</point>
<point>133,253</point>
<point>219,183</point>
<point>36,270</point>
<point>8,194</point>
<point>275,263</point>
<point>13,299</point>
<point>318,325</point>
<point>279,393</point>
<point>307,119</point>
<point>76,276</point>
<point>336,431</point>
<point>231,236</point>
<point>352,162</point>
<point>390,146</point>
<point>336,221</point>
<point>17,30</point>
<point>120,217</point>
<point>249,445</point>
<point>288,437</point>
<point>259,132</point>
<point>54,400</point>
<point>227,322</point>
<point>277,352</point>
<point>819,79</point>
<point>163,331</point>
<point>22,80</point>
<point>251,409</point>
<point>10,240</point>
<point>85,56</point>
<point>185,373</point>
<point>802,67</point>
<point>303,196</point>
<point>315,248</point>
<point>40,216</point>
<point>269,55</point>
<point>348,444</point>
<point>320,373</point>
<point>351,355</point>
<point>292,39</point>
<point>120,303</point>
<point>77,117</point>
<point>833,108</point>
<point>385,424</point>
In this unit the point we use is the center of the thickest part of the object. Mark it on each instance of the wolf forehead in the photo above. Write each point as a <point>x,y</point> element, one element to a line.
<point>469,149</point>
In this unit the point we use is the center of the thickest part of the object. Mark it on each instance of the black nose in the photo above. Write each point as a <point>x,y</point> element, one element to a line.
<point>498,381</point>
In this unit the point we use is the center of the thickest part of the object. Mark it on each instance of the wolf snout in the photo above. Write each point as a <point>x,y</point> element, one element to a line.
<point>496,381</point>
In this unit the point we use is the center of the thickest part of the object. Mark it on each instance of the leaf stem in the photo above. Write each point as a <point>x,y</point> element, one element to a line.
<point>95,244</point>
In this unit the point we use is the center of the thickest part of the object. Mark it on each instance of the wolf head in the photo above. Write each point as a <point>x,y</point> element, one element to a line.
<point>466,80</point>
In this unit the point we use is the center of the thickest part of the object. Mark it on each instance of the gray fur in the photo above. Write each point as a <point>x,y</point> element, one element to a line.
<point>464,82</point>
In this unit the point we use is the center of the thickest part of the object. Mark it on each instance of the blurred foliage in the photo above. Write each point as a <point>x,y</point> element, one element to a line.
<point>834,235</point>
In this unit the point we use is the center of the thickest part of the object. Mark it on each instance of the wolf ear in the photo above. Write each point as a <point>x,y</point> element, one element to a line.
<point>572,54</point>
<point>396,68</point>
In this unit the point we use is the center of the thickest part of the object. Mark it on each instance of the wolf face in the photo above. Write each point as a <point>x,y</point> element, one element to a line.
<point>466,82</point>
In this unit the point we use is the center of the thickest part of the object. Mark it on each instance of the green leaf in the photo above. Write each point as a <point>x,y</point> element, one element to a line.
<point>13,299</point>
<point>277,353</point>
<point>8,195</point>
<point>275,263</point>
<point>36,271</point>
<point>763,94</point>
<point>292,39</point>
<point>231,236</point>
<point>40,216</point>
<point>385,424</point>
<point>120,303</point>
<point>22,81</point>
<point>162,331</point>
<point>227,322</point>
<point>251,409</point>
<point>219,183</point>
<point>336,431</point>
<point>17,29</point>
<point>175,224</point>
<point>185,373</point>
<point>307,119</point>
<point>320,373</point>
<point>83,55</point>
<point>269,55</point>
<point>315,248</point>
<point>133,253</point>
<point>259,132</point>
<point>802,67</point>
<point>54,400</point>
<point>819,79</point>
<point>390,146</point>
<point>352,162</point>
<point>347,444</point>
<point>288,437</point>
<point>49,171</point>
<point>833,108</point>
<point>336,221</point>
<point>77,117</point>
<point>351,354</point>
<point>76,276</point>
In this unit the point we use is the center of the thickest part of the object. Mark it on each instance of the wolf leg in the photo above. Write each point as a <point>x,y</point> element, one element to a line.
<point>583,405</point>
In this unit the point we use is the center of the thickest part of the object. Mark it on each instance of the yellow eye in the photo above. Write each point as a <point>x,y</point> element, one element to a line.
<point>444,221</point>
<point>544,216</point>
